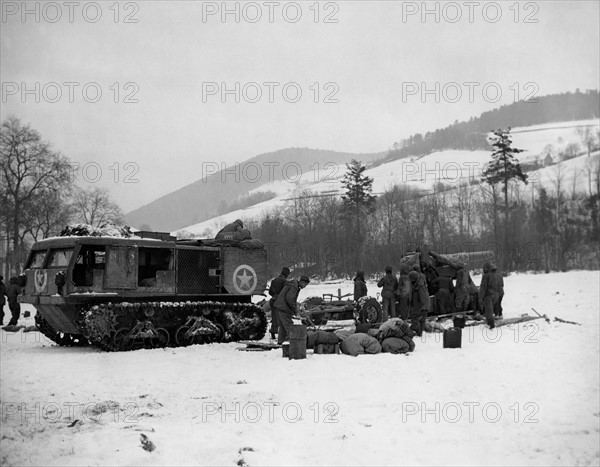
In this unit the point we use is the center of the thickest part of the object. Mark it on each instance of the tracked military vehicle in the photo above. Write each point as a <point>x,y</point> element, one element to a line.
<point>148,290</point>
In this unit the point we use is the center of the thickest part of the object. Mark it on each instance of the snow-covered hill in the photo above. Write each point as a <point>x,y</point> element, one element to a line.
<point>525,394</point>
<point>450,167</point>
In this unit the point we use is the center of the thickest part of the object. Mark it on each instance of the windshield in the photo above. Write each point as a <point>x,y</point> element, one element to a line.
<point>37,259</point>
<point>60,258</point>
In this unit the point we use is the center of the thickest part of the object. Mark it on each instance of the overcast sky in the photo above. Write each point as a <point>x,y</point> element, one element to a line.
<point>371,62</point>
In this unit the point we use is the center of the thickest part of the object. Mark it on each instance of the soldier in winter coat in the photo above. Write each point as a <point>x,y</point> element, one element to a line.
<point>2,299</point>
<point>12,291</point>
<point>500,278</point>
<point>227,232</point>
<point>461,291</point>
<point>443,301</point>
<point>423,277</point>
<point>388,293</point>
<point>420,299</point>
<point>404,292</point>
<point>276,286</point>
<point>285,306</point>
<point>360,285</point>
<point>488,293</point>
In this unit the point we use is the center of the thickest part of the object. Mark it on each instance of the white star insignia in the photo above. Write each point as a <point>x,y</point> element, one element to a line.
<point>245,280</point>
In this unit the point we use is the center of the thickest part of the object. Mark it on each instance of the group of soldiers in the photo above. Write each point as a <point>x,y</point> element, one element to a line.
<point>415,292</point>
<point>410,296</point>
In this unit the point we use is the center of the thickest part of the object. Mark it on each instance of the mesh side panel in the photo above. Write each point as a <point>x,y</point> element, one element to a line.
<point>193,271</point>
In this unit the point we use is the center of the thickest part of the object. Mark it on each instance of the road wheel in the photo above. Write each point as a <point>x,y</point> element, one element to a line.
<point>121,341</point>
<point>370,311</point>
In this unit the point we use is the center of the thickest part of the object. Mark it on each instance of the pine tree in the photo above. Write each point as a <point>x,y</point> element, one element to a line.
<point>503,168</point>
<point>359,189</point>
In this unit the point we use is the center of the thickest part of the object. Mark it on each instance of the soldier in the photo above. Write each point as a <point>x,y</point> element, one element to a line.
<point>420,300</point>
<point>277,285</point>
<point>226,233</point>
<point>442,296</point>
<point>498,305</point>
<point>360,285</point>
<point>488,293</point>
<point>404,292</point>
<point>12,291</point>
<point>423,277</point>
<point>2,299</point>
<point>285,306</point>
<point>389,284</point>
<point>461,292</point>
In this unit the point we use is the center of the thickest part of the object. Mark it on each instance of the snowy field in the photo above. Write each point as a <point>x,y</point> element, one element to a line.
<point>520,395</point>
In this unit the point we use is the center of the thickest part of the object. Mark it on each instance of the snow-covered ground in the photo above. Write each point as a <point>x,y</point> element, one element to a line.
<point>520,395</point>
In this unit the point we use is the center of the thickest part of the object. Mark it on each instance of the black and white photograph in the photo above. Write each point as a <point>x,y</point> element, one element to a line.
<point>299,233</point>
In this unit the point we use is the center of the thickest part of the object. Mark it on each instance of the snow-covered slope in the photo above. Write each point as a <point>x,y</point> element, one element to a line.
<point>519,395</point>
<point>449,167</point>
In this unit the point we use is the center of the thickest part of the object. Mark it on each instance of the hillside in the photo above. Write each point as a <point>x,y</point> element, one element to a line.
<point>201,200</point>
<point>449,167</point>
<point>471,135</point>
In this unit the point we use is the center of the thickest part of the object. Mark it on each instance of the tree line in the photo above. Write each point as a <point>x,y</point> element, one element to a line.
<point>39,195</point>
<point>528,225</point>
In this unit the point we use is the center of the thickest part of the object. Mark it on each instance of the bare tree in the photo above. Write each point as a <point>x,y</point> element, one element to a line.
<point>51,213</point>
<point>558,178</point>
<point>574,179</point>
<point>464,207</point>
<point>588,137</point>
<point>28,167</point>
<point>95,207</point>
<point>592,169</point>
<point>571,151</point>
<point>389,203</point>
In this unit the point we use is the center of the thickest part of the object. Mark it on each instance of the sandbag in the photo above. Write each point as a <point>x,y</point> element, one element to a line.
<point>324,337</point>
<point>395,327</point>
<point>343,333</point>
<point>252,244</point>
<point>241,235</point>
<point>359,344</point>
<point>395,345</point>
<point>311,339</point>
